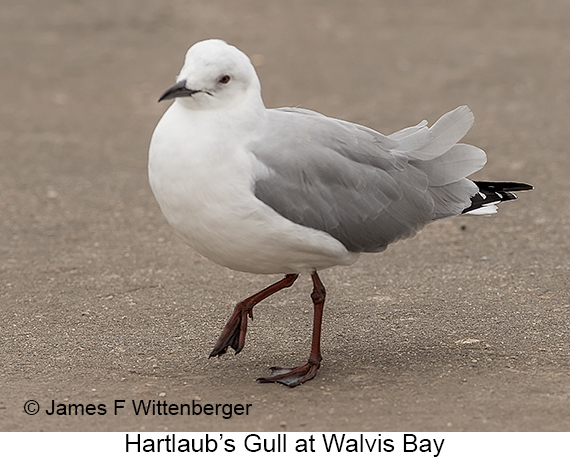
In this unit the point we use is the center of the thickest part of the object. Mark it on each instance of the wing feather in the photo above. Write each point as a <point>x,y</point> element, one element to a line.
<point>364,188</point>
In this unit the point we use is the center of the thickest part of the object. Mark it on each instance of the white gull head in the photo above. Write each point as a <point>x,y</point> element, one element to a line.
<point>215,75</point>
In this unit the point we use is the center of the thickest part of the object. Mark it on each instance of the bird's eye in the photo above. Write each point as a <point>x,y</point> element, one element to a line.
<point>224,79</point>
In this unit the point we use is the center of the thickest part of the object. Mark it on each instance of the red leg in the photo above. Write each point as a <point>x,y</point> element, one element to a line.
<point>292,377</point>
<point>234,332</point>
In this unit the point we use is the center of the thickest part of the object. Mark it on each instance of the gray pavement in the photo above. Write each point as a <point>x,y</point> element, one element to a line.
<point>463,328</point>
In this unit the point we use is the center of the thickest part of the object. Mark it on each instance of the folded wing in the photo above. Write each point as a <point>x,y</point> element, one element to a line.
<point>365,189</point>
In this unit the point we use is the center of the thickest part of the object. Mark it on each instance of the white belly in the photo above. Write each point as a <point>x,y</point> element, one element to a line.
<point>205,191</point>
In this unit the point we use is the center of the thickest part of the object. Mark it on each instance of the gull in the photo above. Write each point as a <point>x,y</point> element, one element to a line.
<point>291,191</point>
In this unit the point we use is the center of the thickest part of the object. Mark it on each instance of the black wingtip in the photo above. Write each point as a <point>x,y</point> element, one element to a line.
<point>491,193</point>
<point>503,186</point>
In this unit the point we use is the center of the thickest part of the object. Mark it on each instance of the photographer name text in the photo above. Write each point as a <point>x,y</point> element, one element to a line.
<point>141,408</point>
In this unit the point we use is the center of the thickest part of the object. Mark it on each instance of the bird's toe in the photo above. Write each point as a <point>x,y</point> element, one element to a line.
<point>292,377</point>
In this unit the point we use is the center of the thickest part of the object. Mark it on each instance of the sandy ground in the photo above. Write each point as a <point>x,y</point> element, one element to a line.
<point>463,328</point>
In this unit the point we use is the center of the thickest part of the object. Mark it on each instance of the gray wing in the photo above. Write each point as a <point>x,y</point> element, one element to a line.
<point>363,188</point>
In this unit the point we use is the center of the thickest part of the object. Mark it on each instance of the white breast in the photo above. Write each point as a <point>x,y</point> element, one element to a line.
<point>203,182</point>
